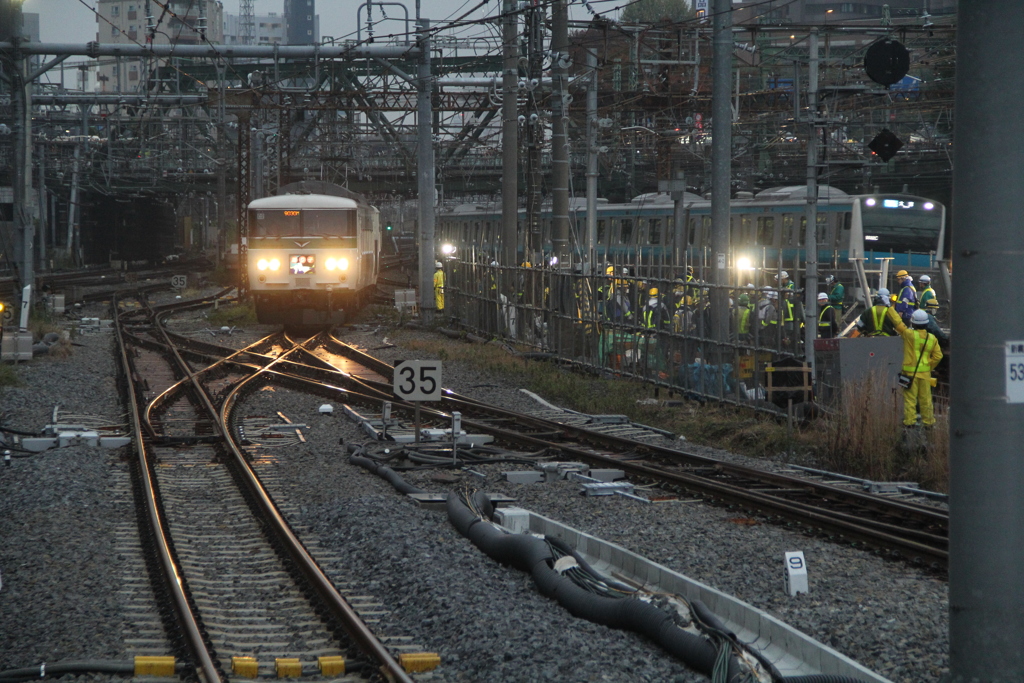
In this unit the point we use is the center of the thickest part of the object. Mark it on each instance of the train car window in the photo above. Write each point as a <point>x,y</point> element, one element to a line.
<point>641,229</point>
<point>487,232</point>
<point>626,231</point>
<point>329,223</point>
<point>706,232</point>
<point>693,232</point>
<point>655,236</point>
<point>276,223</point>
<point>821,233</point>
<point>788,239</point>
<point>600,231</point>
<point>545,227</point>
<point>801,234</point>
<point>766,231</point>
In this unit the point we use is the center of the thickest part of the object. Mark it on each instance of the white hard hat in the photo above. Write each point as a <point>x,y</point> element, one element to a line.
<point>822,296</point>
<point>925,278</point>
<point>437,264</point>
<point>773,295</point>
<point>919,317</point>
<point>784,275</point>
<point>749,285</point>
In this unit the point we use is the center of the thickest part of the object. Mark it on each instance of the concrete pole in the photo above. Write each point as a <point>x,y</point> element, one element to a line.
<point>559,130</point>
<point>591,253</point>
<point>510,137</point>
<point>811,231</point>
<point>425,174</point>
<point>721,166</point>
<point>986,556</point>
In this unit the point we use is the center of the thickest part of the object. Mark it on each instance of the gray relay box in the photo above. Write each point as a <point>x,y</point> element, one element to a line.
<point>861,360</point>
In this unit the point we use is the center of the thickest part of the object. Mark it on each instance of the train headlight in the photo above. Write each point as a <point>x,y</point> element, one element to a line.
<point>331,263</point>
<point>447,249</point>
<point>928,206</point>
<point>743,263</point>
<point>275,264</point>
<point>870,201</point>
<point>262,264</point>
<point>343,264</point>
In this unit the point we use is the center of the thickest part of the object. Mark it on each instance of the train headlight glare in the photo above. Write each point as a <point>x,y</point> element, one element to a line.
<point>870,201</point>
<point>275,264</point>
<point>447,249</point>
<point>331,263</point>
<point>262,264</point>
<point>928,206</point>
<point>743,263</point>
<point>343,264</point>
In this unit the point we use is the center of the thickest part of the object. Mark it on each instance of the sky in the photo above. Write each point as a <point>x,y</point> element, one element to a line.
<point>72,21</point>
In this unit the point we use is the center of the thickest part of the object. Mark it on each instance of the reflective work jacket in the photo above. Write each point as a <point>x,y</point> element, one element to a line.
<point>928,300</point>
<point>921,352</point>
<point>827,326</point>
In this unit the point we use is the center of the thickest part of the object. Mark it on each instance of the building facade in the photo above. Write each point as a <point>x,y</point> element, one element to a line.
<point>268,29</point>
<point>188,22</point>
<point>835,11</point>
<point>303,23</point>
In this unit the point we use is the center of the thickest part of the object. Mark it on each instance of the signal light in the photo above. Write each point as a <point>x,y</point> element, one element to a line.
<point>388,227</point>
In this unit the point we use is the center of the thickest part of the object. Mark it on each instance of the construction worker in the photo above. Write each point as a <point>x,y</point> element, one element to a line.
<point>438,287</point>
<point>767,313</point>
<point>828,321</point>
<point>906,301</point>
<point>921,353</point>
<point>836,293</point>
<point>788,319</point>
<point>784,281</point>
<point>742,313</point>
<point>655,315</point>
<point>874,321</point>
<point>928,302</point>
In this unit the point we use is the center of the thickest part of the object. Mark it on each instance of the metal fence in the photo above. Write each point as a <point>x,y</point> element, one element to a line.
<point>614,322</point>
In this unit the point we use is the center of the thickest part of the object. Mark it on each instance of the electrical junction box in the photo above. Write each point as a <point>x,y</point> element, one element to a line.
<point>16,345</point>
<point>65,439</point>
<point>871,362</point>
<point>405,299</point>
<point>523,477</point>
<point>516,520</point>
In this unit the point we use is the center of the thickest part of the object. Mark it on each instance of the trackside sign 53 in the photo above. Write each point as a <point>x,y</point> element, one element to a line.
<point>1015,372</point>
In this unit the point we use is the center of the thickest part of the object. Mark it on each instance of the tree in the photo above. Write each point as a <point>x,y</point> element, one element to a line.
<point>657,11</point>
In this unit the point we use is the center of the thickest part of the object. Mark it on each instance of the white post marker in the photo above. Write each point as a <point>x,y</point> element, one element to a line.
<point>386,418</point>
<point>417,380</point>
<point>456,428</point>
<point>796,573</point>
<point>1015,372</point>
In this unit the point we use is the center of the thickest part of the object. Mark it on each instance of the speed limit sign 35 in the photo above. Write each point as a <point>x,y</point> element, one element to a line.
<point>179,281</point>
<point>418,380</point>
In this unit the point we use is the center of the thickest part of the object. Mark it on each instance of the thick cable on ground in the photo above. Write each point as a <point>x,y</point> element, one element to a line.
<point>385,472</point>
<point>54,669</point>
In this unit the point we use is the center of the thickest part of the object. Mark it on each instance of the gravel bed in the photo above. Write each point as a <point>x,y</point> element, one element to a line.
<point>886,615</point>
<point>487,621</point>
<point>57,515</point>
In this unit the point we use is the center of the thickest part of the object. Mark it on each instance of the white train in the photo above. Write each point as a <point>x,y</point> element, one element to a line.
<point>312,258</point>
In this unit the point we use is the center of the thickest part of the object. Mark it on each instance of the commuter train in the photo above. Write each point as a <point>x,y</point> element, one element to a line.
<point>764,228</point>
<point>312,258</point>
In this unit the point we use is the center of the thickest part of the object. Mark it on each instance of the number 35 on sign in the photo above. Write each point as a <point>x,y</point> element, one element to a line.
<point>1015,372</point>
<point>418,380</point>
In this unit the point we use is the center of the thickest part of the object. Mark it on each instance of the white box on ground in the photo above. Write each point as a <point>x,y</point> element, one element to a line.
<point>796,573</point>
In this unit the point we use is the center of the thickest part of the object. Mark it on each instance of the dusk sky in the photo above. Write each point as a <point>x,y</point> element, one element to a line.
<point>72,21</point>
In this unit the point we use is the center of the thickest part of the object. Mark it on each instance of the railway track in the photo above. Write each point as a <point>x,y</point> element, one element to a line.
<point>247,595</point>
<point>900,526</point>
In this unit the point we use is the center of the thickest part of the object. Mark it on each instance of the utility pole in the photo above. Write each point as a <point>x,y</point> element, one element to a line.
<point>425,173</point>
<point>986,556</point>
<point>590,254</point>
<point>721,168</point>
<point>510,137</point>
<point>811,229</point>
<point>559,129</point>
<point>534,25</point>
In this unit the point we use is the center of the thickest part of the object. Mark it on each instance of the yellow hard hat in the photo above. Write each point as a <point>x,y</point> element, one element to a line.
<point>902,273</point>
<point>653,291</point>
<point>610,270</point>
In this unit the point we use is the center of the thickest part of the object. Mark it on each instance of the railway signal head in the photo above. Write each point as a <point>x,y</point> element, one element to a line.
<point>885,145</point>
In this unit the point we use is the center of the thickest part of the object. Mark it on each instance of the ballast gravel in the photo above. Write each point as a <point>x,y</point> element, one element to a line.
<point>487,621</point>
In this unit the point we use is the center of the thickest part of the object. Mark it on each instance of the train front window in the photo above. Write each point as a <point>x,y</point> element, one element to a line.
<point>275,223</point>
<point>329,223</point>
<point>901,225</point>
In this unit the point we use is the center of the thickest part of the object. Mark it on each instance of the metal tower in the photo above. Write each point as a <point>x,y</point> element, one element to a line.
<point>247,21</point>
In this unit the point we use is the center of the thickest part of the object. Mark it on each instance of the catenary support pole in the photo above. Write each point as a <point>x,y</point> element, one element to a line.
<point>811,230</point>
<point>591,247</point>
<point>986,555</point>
<point>721,166</point>
<point>560,129</point>
<point>510,137</point>
<point>425,174</point>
